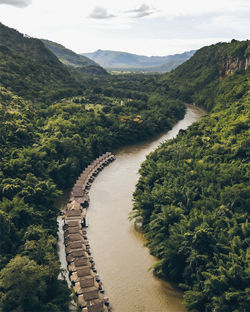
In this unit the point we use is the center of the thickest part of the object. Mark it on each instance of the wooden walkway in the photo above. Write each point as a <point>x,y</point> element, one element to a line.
<point>82,273</point>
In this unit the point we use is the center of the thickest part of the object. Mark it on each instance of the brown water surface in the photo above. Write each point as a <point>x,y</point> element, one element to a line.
<point>122,260</point>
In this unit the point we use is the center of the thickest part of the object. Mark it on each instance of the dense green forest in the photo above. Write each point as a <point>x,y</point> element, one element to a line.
<point>53,122</point>
<point>192,197</point>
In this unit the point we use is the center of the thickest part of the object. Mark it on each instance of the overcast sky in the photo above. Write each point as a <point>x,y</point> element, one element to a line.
<point>157,27</point>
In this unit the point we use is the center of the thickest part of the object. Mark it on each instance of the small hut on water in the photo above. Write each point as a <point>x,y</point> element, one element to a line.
<point>82,273</point>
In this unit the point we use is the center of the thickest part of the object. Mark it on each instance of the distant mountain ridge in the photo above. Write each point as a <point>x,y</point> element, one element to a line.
<point>117,60</point>
<point>67,56</point>
<point>29,69</point>
<point>72,59</point>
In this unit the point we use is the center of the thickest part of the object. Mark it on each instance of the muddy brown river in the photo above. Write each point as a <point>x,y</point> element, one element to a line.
<point>122,260</point>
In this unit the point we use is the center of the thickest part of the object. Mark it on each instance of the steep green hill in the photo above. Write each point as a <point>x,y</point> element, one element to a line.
<point>172,62</point>
<point>43,148</point>
<point>197,80</point>
<point>73,59</point>
<point>193,194</point>
<point>29,69</point>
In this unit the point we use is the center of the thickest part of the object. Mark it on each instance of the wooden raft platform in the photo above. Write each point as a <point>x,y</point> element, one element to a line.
<point>82,273</point>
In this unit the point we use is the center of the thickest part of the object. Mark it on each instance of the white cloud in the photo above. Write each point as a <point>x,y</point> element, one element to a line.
<point>100,13</point>
<point>174,26</point>
<point>141,11</point>
<point>17,3</point>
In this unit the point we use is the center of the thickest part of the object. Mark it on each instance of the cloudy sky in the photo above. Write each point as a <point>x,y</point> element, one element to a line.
<point>156,27</point>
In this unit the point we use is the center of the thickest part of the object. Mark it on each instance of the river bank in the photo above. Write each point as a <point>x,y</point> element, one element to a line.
<point>121,258</point>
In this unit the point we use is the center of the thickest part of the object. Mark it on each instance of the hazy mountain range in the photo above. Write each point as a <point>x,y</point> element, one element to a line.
<point>114,60</point>
<point>123,61</point>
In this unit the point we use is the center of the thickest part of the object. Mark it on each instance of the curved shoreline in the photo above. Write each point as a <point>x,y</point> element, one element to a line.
<point>163,294</point>
<point>83,276</point>
<point>119,251</point>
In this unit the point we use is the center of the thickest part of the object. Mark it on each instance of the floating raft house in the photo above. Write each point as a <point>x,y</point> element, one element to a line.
<point>81,266</point>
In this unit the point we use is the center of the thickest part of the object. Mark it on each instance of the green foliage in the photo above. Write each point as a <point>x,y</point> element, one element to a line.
<point>199,79</point>
<point>46,140</point>
<point>8,234</point>
<point>26,286</point>
<point>193,193</point>
<point>20,213</point>
<point>72,59</point>
<point>30,70</point>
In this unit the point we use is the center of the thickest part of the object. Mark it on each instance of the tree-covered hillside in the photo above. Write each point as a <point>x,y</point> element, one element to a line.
<point>198,79</point>
<point>193,194</point>
<point>46,139</point>
<point>30,70</point>
<point>73,59</point>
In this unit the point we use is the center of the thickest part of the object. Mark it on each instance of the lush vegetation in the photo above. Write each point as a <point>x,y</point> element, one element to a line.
<point>30,70</point>
<point>53,122</point>
<point>198,80</point>
<point>193,194</point>
<point>73,59</point>
<point>192,197</point>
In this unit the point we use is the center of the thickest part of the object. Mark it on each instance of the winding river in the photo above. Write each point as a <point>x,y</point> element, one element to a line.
<point>122,260</point>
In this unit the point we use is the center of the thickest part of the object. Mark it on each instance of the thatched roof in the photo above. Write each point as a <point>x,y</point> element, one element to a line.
<point>74,213</point>
<point>75,246</point>
<point>69,253</point>
<point>81,302</point>
<point>78,253</point>
<point>90,293</point>
<point>77,187</point>
<point>73,230</point>
<point>82,200</point>
<point>70,224</point>
<point>83,271</point>
<point>83,278</point>
<point>73,268</point>
<point>96,307</point>
<point>83,176</point>
<point>79,263</point>
<point>82,261</point>
<point>74,238</point>
<point>87,281</point>
<point>86,271</point>
<point>73,205</point>
<point>77,288</point>
<point>77,192</point>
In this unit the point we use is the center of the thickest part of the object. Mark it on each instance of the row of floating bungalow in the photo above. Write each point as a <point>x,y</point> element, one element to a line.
<point>82,273</point>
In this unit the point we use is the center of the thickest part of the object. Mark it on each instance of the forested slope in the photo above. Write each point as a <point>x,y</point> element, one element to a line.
<point>198,79</point>
<point>73,59</point>
<point>45,144</point>
<point>193,194</point>
<point>30,70</point>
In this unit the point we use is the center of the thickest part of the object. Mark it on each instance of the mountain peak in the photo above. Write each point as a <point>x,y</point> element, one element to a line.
<point>118,60</point>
